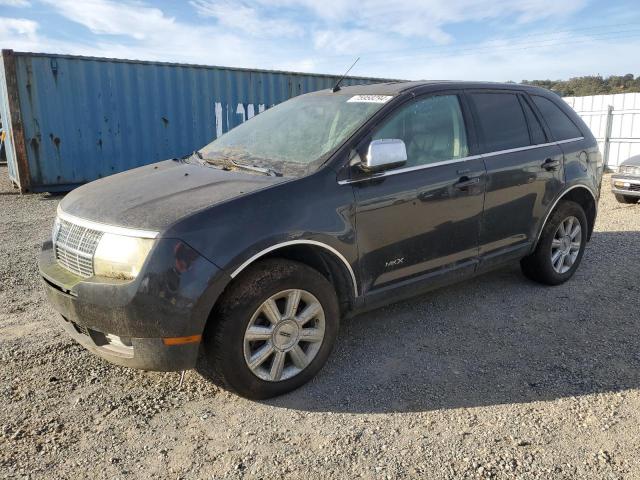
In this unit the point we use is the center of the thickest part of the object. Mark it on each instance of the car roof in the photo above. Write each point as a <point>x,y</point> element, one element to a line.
<point>398,87</point>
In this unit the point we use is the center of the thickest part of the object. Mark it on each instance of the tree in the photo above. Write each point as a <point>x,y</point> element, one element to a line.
<point>590,85</point>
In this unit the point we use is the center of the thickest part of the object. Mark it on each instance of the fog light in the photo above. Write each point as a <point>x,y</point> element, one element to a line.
<point>120,346</point>
<point>118,341</point>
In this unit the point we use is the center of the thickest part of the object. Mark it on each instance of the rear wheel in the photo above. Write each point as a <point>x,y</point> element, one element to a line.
<point>561,246</point>
<point>273,331</point>
<point>626,198</point>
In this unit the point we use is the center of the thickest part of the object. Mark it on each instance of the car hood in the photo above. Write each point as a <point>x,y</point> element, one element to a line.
<point>156,196</point>
<point>635,161</point>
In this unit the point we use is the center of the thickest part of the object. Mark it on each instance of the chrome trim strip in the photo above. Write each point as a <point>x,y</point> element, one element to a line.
<point>457,160</point>
<point>248,262</point>
<point>556,202</point>
<point>409,169</point>
<point>530,147</point>
<point>635,181</point>
<point>569,140</point>
<point>105,228</point>
<point>626,193</point>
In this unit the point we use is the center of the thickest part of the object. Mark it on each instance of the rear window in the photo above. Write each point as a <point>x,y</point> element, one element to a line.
<point>561,126</point>
<point>502,122</point>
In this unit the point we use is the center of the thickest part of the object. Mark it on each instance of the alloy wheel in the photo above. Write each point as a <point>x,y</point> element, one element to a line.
<point>284,335</point>
<point>566,244</point>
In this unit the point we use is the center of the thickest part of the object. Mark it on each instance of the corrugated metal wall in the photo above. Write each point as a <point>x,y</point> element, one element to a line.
<point>624,121</point>
<point>6,124</point>
<point>84,118</point>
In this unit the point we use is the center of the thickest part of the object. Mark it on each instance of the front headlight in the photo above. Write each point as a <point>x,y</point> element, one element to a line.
<point>119,256</point>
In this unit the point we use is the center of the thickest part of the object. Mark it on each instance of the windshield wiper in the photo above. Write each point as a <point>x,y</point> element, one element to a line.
<point>195,155</point>
<point>266,170</point>
<point>229,164</point>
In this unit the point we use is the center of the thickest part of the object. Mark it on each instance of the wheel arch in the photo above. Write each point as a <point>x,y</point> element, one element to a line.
<point>583,196</point>
<point>317,255</point>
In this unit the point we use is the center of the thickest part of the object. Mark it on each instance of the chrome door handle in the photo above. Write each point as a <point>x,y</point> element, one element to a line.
<point>466,182</point>
<point>550,164</point>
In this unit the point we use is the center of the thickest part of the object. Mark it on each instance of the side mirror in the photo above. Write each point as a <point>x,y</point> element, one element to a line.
<point>385,153</point>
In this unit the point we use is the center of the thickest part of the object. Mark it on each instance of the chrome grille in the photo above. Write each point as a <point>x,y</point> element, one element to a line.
<point>74,247</point>
<point>630,170</point>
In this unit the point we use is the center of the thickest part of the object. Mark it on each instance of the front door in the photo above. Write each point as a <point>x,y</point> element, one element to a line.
<point>422,218</point>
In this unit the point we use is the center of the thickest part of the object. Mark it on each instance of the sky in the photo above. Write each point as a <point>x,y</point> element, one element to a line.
<point>497,40</point>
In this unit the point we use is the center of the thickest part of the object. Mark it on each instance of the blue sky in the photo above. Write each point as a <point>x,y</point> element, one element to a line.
<point>415,39</point>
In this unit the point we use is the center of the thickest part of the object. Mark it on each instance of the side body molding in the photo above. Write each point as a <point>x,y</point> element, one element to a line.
<point>277,246</point>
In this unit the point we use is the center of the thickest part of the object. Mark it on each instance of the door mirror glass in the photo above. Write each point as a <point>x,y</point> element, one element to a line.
<point>385,153</point>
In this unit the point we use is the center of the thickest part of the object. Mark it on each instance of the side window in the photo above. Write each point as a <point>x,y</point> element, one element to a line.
<point>502,121</point>
<point>432,129</point>
<point>535,128</point>
<point>561,126</point>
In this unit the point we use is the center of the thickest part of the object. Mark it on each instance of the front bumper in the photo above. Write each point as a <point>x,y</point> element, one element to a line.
<point>142,353</point>
<point>141,323</point>
<point>628,186</point>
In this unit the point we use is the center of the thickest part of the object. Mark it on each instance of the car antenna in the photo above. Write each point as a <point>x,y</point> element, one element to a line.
<point>336,88</point>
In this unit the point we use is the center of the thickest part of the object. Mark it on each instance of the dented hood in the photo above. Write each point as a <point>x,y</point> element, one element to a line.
<point>155,196</point>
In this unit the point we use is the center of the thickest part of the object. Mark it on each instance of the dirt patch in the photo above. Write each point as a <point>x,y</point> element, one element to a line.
<point>496,377</point>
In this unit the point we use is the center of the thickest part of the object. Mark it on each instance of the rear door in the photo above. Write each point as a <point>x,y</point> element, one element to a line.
<point>524,172</point>
<point>580,155</point>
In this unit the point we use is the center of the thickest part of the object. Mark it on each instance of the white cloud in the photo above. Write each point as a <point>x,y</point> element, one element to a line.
<point>567,55</point>
<point>18,31</point>
<point>143,32</point>
<point>352,42</point>
<point>410,40</point>
<point>425,18</point>
<point>247,19</point>
<point>15,3</point>
<point>114,18</point>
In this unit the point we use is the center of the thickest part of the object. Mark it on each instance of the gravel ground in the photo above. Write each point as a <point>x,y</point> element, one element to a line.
<point>496,377</point>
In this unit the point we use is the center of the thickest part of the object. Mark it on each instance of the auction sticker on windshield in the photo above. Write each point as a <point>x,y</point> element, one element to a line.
<point>370,99</point>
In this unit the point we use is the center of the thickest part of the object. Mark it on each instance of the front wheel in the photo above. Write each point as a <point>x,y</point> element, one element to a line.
<point>561,246</point>
<point>626,198</point>
<point>273,331</point>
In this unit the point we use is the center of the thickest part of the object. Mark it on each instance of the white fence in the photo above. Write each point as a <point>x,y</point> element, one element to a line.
<point>614,121</point>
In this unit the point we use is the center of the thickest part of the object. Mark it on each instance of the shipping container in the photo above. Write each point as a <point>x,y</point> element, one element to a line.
<point>72,119</point>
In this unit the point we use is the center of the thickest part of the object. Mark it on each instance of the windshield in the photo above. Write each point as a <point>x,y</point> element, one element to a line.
<point>294,137</point>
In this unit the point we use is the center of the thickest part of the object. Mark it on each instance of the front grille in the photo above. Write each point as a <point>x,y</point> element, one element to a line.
<point>74,247</point>
<point>629,170</point>
<point>634,187</point>
<point>81,329</point>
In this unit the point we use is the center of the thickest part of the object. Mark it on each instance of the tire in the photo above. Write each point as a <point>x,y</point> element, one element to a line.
<point>227,349</point>
<point>626,198</point>
<point>539,266</point>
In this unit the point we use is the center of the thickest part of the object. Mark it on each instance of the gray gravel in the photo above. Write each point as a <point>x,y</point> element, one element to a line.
<point>496,377</point>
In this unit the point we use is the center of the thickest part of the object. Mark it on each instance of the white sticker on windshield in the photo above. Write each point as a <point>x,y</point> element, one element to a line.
<point>370,99</point>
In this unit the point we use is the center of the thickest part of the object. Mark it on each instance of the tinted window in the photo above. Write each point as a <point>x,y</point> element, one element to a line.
<point>432,129</point>
<point>502,121</point>
<point>535,128</point>
<point>561,126</point>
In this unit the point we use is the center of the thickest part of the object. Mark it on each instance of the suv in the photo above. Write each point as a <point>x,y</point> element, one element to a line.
<point>242,257</point>
<point>626,183</point>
